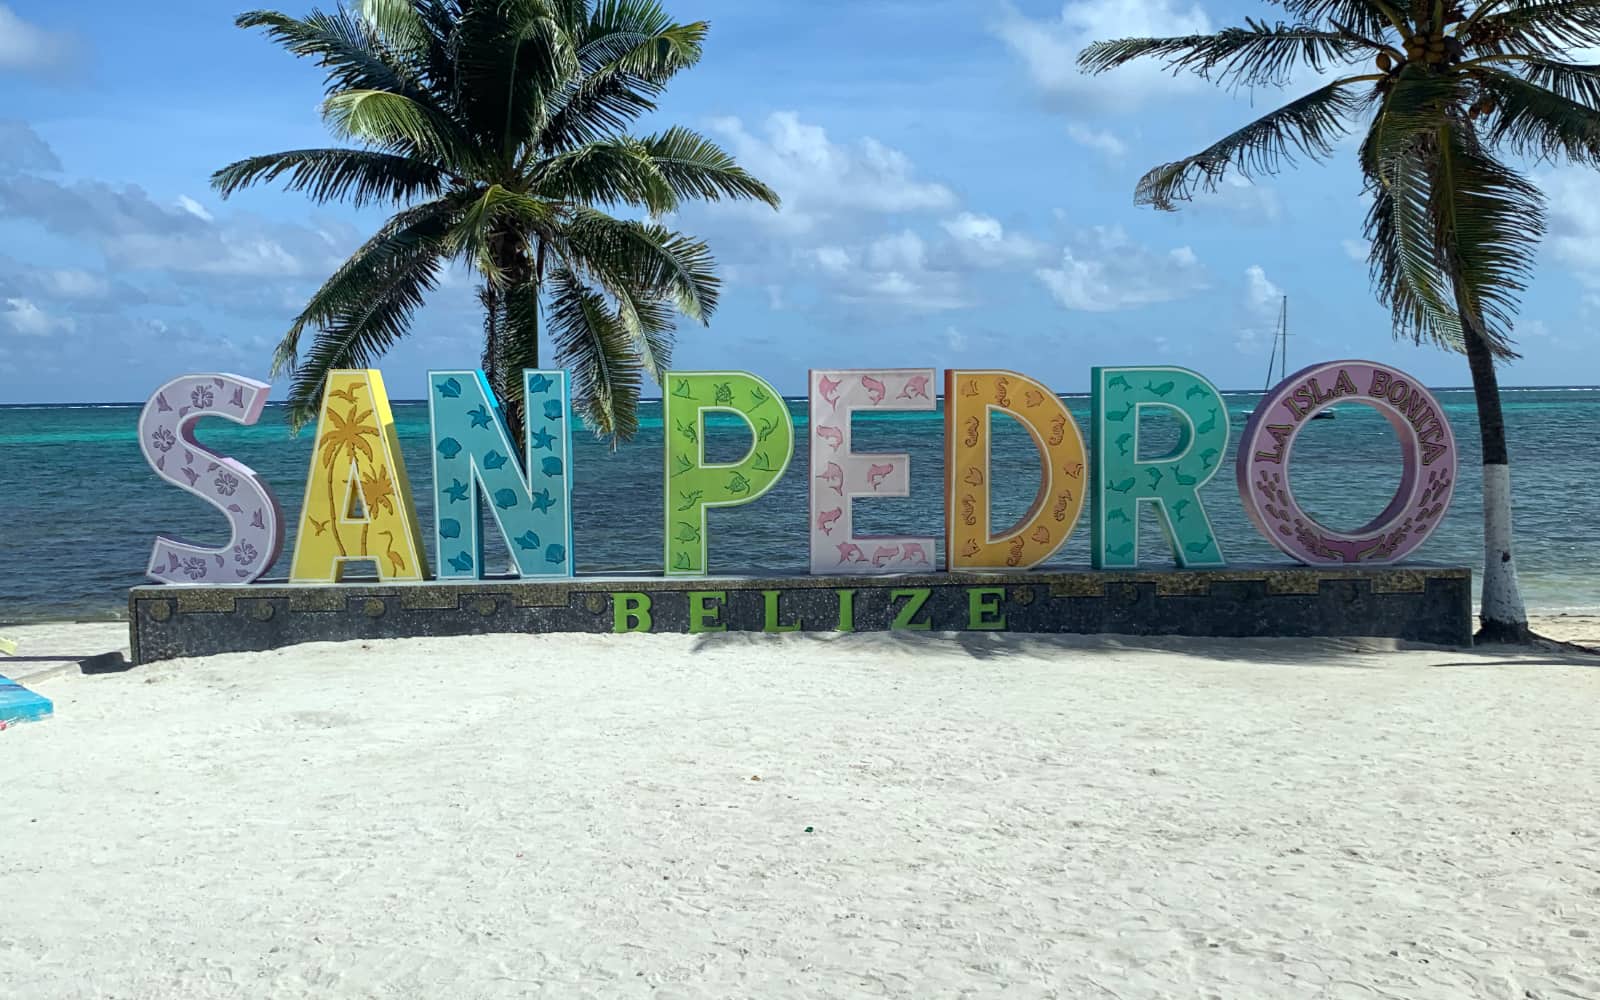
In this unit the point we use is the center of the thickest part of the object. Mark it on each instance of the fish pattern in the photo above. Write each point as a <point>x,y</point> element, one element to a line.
<point>970,542</point>
<point>1123,398</point>
<point>695,487</point>
<point>530,497</point>
<point>838,476</point>
<point>254,515</point>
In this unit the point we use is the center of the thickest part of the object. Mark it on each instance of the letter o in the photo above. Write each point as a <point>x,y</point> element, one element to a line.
<point>1426,484</point>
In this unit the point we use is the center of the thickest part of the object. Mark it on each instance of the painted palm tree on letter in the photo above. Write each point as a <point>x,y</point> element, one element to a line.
<point>498,129</point>
<point>1445,92</point>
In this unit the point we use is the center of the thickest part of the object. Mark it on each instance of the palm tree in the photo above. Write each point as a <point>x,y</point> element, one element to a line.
<point>1446,92</point>
<point>497,129</point>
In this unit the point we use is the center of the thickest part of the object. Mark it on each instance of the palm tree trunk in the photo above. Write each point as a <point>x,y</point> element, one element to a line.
<point>490,297</point>
<point>1502,616</point>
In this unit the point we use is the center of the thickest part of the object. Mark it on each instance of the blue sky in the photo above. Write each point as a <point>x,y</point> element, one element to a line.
<point>956,194</point>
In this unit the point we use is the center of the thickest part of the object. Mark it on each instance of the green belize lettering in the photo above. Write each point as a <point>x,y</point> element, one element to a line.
<point>983,608</point>
<point>770,623</point>
<point>915,598</point>
<point>630,612</point>
<point>847,610</point>
<point>702,613</point>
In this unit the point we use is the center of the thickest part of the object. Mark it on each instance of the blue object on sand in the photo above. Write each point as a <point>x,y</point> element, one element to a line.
<point>18,704</point>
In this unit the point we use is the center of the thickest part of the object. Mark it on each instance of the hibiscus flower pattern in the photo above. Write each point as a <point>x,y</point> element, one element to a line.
<point>164,432</point>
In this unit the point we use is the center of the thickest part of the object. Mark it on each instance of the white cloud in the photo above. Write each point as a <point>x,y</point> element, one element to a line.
<point>892,270</point>
<point>194,208</point>
<point>819,178</point>
<point>1099,140</point>
<point>1103,270</point>
<point>1574,207</point>
<point>1356,250</point>
<point>28,320</point>
<point>1049,49</point>
<point>1261,301</point>
<point>136,234</point>
<point>1246,201</point>
<point>28,48</point>
<point>1261,295</point>
<point>72,283</point>
<point>21,148</point>
<point>954,339</point>
<point>982,241</point>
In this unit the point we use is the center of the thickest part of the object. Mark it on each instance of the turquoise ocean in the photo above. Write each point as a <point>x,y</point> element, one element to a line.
<point>79,508</point>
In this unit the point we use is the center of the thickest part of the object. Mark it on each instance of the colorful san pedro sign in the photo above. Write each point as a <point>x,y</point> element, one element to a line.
<point>358,506</point>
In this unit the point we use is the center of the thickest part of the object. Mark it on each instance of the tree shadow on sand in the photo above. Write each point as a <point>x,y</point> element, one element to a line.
<point>1362,653</point>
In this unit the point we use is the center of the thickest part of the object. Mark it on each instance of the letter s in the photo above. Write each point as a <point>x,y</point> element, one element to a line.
<point>166,436</point>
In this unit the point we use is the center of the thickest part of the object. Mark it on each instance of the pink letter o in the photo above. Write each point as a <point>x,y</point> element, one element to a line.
<point>1426,445</point>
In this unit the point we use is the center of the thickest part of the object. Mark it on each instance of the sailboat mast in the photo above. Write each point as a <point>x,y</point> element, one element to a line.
<point>1272,358</point>
<point>1283,324</point>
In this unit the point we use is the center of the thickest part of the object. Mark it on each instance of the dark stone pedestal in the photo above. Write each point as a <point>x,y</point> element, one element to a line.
<point>1419,603</point>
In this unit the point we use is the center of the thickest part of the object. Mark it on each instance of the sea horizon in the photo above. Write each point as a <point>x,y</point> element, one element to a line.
<point>396,400</point>
<point>78,562</point>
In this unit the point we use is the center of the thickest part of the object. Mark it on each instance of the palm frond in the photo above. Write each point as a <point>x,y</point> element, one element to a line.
<point>362,176</point>
<point>593,345</point>
<point>639,38</point>
<point>510,55</point>
<point>1406,268</point>
<point>399,25</point>
<point>695,167</point>
<point>342,44</point>
<point>594,107</point>
<point>1551,26</point>
<point>1399,158</point>
<point>492,216</point>
<point>644,309</point>
<point>519,337</point>
<point>1309,124</point>
<point>661,262</point>
<point>363,331</point>
<point>1538,123</point>
<point>1577,82</point>
<point>1490,221</point>
<point>1256,54</point>
<point>1372,18</point>
<point>412,235</point>
<point>615,171</point>
<point>397,123</point>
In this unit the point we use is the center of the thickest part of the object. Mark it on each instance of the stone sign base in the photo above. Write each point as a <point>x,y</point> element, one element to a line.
<point>1419,603</point>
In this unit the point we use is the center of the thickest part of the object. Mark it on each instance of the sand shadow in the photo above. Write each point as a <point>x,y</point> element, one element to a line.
<point>1353,653</point>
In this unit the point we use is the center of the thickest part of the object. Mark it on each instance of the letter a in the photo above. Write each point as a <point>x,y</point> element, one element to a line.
<point>356,457</point>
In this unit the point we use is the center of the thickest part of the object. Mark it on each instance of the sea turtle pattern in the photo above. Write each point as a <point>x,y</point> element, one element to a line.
<point>694,487</point>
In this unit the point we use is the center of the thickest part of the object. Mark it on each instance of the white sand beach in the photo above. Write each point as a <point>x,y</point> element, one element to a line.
<point>791,816</point>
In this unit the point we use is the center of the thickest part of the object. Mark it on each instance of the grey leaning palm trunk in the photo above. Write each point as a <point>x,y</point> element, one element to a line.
<point>1444,90</point>
<point>497,128</point>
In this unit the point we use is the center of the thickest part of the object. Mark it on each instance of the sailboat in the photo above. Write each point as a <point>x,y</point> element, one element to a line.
<point>1280,356</point>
